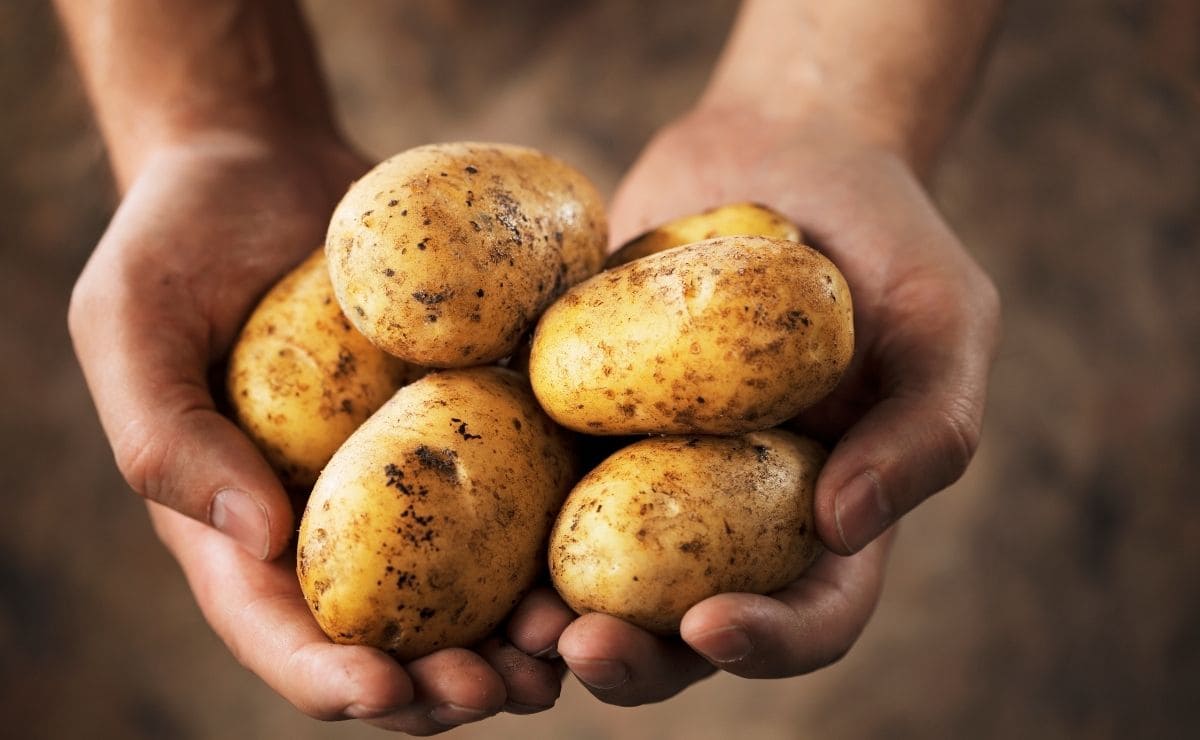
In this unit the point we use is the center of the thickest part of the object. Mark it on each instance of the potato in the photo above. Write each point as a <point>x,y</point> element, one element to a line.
<point>430,522</point>
<point>722,336</point>
<point>301,378</point>
<point>444,255</point>
<point>669,521</point>
<point>735,219</point>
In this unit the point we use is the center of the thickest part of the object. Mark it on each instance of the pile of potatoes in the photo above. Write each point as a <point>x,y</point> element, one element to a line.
<point>433,377</point>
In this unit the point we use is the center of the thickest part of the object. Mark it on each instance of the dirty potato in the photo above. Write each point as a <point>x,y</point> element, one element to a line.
<point>444,255</point>
<point>669,521</point>
<point>430,523</point>
<point>722,336</point>
<point>735,219</point>
<point>301,378</point>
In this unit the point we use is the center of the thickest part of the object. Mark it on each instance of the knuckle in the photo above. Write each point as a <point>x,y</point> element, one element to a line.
<point>960,433</point>
<point>143,457</point>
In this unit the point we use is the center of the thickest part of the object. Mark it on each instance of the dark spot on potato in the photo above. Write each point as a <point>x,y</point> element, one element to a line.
<point>479,293</point>
<point>345,364</point>
<point>395,479</point>
<point>443,462</point>
<point>516,423</point>
<point>358,310</point>
<point>389,272</point>
<point>692,547</point>
<point>470,169</point>
<point>404,212</point>
<point>346,407</point>
<point>462,430</point>
<point>393,203</point>
<point>390,630</point>
<point>430,299</point>
<point>421,244</point>
<point>761,453</point>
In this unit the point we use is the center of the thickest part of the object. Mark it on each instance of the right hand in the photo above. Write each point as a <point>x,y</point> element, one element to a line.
<point>207,226</point>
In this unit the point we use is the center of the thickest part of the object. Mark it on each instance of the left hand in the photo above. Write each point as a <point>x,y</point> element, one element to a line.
<point>907,413</point>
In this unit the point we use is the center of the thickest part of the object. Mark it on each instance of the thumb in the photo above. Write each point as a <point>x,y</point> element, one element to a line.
<point>146,370</point>
<point>916,441</point>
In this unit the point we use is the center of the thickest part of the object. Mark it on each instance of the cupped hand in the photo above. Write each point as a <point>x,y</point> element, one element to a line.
<point>906,418</point>
<point>904,422</point>
<point>205,228</point>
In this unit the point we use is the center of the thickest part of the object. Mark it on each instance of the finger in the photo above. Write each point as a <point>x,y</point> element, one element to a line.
<point>920,437</point>
<point>626,665</point>
<point>538,621</point>
<point>258,611</point>
<point>145,365</point>
<point>531,684</point>
<point>810,624</point>
<point>453,687</point>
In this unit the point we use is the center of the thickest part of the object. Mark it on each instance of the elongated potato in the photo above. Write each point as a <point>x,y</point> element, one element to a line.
<point>722,336</point>
<point>444,255</point>
<point>735,219</point>
<point>430,522</point>
<point>669,521</point>
<point>301,378</point>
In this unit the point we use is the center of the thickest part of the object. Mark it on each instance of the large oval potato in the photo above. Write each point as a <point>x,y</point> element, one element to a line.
<point>722,336</point>
<point>444,255</point>
<point>669,521</point>
<point>301,379</point>
<point>734,219</point>
<point>430,522</point>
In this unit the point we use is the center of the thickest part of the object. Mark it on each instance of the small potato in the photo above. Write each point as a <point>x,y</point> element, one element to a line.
<point>722,336</point>
<point>301,379</point>
<point>670,521</point>
<point>735,219</point>
<point>445,255</point>
<point>430,522</point>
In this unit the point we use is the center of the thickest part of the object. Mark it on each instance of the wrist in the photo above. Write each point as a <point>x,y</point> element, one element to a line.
<point>253,137</point>
<point>810,121</point>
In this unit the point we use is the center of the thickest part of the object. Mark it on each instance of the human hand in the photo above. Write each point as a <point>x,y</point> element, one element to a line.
<point>906,417</point>
<point>206,227</point>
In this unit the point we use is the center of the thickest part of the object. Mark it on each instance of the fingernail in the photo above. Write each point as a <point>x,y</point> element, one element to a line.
<point>453,714</point>
<point>358,711</point>
<point>600,674</point>
<point>514,707</point>
<point>724,645</point>
<point>861,512</point>
<point>242,518</point>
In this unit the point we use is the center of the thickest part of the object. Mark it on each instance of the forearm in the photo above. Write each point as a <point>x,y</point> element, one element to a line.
<point>158,71</point>
<point>896,71</point>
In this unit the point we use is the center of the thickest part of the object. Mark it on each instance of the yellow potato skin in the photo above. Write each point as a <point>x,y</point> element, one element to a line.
<point>670,521</point>
<point>430,522</point>
<point>734,219</point>
<point>444,255</point>
<point>301,379</point>
<point>723,336</point>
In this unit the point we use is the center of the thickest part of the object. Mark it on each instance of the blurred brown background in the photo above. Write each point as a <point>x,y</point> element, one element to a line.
<point>1052,593</point>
